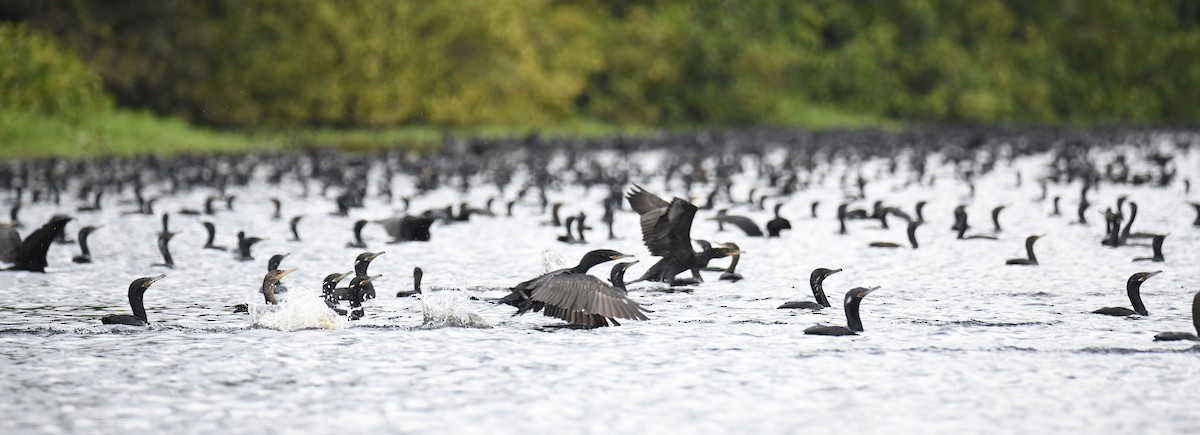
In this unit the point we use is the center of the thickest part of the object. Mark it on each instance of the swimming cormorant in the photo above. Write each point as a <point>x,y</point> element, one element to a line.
<point>361,263</point>
<point>295,231</point>
<point>331,294</point>
<point>743,223</point>
<point>996,218</point>
<point>1177,336</point>
<point>854,324</point>
<point>211,230</point>
<point>416,290</point>
<point>576,297</point>
<point>778,223</point>
<point>408,228</point>
<point>137,289</point>
<point>1134,288</point>
<point>273,264</point>
<point>358,290</point>
<point>164,239</point>
<point>730,273</point>
<point>570,227</point>
<point>85,255</point>
<point>1156,245</point>
<point>816,283</point>
<point>1030,259</point>
<point>912,238</point>
<point>358,242</point>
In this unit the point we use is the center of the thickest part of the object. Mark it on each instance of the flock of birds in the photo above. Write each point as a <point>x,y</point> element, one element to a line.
<point>706,162</point>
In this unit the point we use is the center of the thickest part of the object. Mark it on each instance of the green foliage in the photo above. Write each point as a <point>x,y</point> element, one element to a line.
<point>380,63</point>
<point>112,132</point>
<point>36,75</point>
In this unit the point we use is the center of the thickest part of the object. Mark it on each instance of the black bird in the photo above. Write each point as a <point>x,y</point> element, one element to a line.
<point>278,206</point>
<point>359,288</point>
<point>555,221</point>
<point>813,209</point>
<point>85,255</point>
<point>294,226</point>
<point>581,226</point>
<point>1056,211</point>
<point>743,223</point>
<point>1177,336</point>
<point>30,254</point>
<point>1196,207</point>
<point>137,289</point>
<point>777,224</point>
<point>617,276</point>
<point>816,282</point>
<point>417,275</point>
<point>211,231</point>
<point>666,232</point>
<point>570,227</point>
<point>244,245</point>
<point>576,297</point>
<point>273,264</point>
<point>1156,245</point>
<point>996,218</point>
<point>268,285</point>
<point>164,240</point>
<point>730,273</point>
<point>854,324</point>
<point>1030,259</point>
<point>361,263</point>
<point>358,242</point>
<point>331,294</point>
<point>408,228</point>
<point>912,238</point>
<point>1134,288</point>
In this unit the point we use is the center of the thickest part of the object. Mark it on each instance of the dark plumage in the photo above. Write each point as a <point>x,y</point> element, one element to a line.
<point>1133,287</point>
<point>743,223</point>
<point>268,285</point>
<point>358,242</point>
<point>816,283</point>
<point>85,254</point>
<point>408,228</point>
<point>854,324</point>
<point>912,238</point>
<point>1177,336</point>
<point>137,289</point>
<point>30,254</point>
<point>1156,246</point>
<point>244,245</point>
<point>211,231</point>
<point>576,297</point>
<point>416,290</point>
<point>1030,259</point>
<point>666,232</point>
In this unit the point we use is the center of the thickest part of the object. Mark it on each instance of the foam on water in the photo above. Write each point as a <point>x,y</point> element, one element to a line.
<point>552,261</point>
<point>447,309</point>
<point>303,309</point>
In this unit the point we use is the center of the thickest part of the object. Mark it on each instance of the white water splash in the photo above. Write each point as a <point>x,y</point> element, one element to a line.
<point>303,309</point>
<point>446,309</point>
<point>552,261</point>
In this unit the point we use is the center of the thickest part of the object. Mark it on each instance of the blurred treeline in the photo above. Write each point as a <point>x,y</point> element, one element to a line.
<point>370,63</point>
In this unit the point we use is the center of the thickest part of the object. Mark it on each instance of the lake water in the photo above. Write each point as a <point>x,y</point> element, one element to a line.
<point>955,341</point>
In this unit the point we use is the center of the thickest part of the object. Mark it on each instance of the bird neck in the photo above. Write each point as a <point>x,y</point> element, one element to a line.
<point>853,321</point>
<point>1196,312</point>
<point>83,245</point>
<point>618,278</point>
<point>1134,288</point>
<point>733,264</point>
<point>912,235</point>
<point>360,268</point>
<point>136,293</point>
<point>586,264</point>
<point>818,289</point>
<point>1029,251</point>
<point>268,291</point>
<point>417,281</point>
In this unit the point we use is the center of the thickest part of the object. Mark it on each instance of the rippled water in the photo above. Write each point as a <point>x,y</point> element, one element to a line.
<point>955,341</point>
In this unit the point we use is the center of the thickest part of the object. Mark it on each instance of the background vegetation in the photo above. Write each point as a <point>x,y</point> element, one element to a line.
<point>279,65</point>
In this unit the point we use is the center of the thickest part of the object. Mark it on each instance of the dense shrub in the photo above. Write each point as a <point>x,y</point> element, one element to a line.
<point>37,75</point>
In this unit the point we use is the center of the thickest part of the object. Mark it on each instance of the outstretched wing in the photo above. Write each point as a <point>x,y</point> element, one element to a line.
<point>743,223</point>
<point>578,298</point>
<point>666,226</point>
<point>31,254</point>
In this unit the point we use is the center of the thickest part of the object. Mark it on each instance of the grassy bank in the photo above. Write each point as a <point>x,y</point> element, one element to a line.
<point>125,133</point>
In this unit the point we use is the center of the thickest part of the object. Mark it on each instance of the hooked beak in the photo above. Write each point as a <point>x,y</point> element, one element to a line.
<point>1150,274</point>
<point>372,257</point>
<point>153,280</point>
<point>371,278</point>
<point>866,291</point>
<point>619,256</point>
<point>343,276</point>
<point>831,272</point>
<point>284,273</point>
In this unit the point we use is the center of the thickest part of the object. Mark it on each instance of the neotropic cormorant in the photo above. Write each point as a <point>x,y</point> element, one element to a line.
<point>1177,336</point>
<point>570,227</point>
<point>211,230</point>
<point>268,285</point>
<point>85,255</point>
<point>816,283</point>
<point>912,238</point>
<point>358,242</point>
<point>576,297</point>
<point>273,264</point>
<point>666,232</point>
<point>331,294</point>
<point>359,288</point>
<point>293,225</point>
<point>854,324</point>
<point>1133,287</point>
<point>1156,245</point>
<point>244,244</point>
<point>417,275</point>
<point>743,223</point>
<point>617,276</point>
<point>137,289</point>
<point>164,240</point>
<point>361,263</point>
<point>778,223</point>
<point>30,254</point>
<point>1030,259</point>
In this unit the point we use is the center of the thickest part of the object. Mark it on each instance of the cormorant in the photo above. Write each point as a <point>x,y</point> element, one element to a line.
<point>244,244</point>
<point>912,238</point>
<point>417,275</point>
<point>854,325</point>
<point>555,221</point>
<point>358,242</point>
<point>812,209</point>
<point>85,255</point>
<point>359,288</point>
<point>1056,211</point>
<point>294,226</point>
<point>576,297</point>
<point>570,227</point>
<point>1156,245</point>
<point>30,254</point>
<point>273,264</point>
<point>408,228</point>
<point>1177,336</point>
<point>137,289</point>
<point>666,232</point>
<point>331,294</point>
<point>1030,259</point>
<point>743,223</point>
<point>777,224</point>
<point>816,282</point>
<point>996,218</point>
<point>1196,207</point>
<point>268,285</point>
<point>164,239</point>
<point>278,207</point>
<point>617,276</point>
<point>211,230</point>
<point>1134,288</point>
<point>730,273</point>
<point>361,263</point>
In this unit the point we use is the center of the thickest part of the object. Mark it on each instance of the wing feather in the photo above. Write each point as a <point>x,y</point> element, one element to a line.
<point>580,299</point>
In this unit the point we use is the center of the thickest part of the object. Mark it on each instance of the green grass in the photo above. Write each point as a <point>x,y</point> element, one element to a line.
<point>125,132</point>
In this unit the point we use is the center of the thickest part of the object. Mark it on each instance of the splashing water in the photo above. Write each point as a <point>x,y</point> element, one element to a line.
<point>552,261</point>
<point>445,309</point>
<point>303,309</point>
